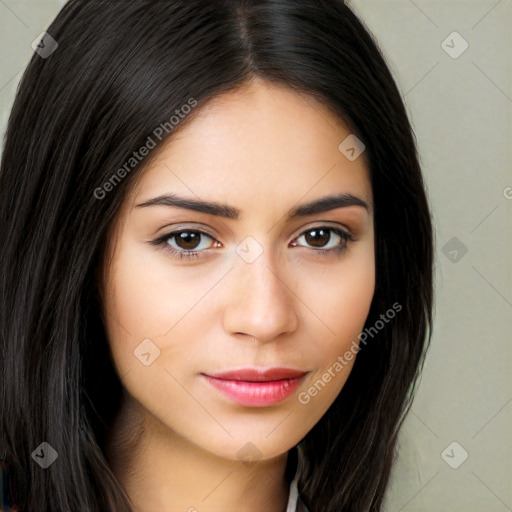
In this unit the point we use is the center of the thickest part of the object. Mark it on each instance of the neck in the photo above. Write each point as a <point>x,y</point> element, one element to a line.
<point>160,470</point>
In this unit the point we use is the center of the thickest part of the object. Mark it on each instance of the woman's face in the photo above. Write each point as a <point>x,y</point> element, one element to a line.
<point>265,289</point>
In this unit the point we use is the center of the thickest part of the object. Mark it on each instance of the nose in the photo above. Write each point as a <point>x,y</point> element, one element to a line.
<point>259,303</point>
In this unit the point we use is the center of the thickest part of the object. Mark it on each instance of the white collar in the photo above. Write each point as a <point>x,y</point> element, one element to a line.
<point>295,504</point>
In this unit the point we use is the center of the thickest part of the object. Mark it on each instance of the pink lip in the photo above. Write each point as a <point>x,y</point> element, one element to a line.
<point>256,387</point>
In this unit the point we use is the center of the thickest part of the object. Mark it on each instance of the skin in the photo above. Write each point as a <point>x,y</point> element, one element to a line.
<point>264,149</point>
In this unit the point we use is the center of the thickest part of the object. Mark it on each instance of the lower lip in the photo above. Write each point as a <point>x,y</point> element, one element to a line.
<point>255,394</point>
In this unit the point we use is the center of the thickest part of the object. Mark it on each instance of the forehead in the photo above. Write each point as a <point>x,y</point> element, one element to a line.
<point>262,142</point>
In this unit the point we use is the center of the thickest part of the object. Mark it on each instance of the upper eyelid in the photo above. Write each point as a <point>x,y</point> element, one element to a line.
<point>204,228</point>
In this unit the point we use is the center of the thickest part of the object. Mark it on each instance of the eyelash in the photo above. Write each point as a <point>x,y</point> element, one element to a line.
<point>183,254</point>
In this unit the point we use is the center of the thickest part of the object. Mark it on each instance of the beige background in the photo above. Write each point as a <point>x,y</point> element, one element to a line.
<point>461,111</point>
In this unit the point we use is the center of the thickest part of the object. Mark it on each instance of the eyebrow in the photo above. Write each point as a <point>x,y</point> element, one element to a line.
<point>321,205</point>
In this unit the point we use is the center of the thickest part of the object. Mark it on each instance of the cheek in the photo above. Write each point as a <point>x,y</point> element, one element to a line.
<point>343,300</point>
<point>147,298</point>
<point>343,304</point>
<point>150,299</point>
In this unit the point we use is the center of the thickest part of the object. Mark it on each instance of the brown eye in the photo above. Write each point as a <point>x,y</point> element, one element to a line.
<point>187,243</point>
<point>187,240</point>
<point>319,238</point>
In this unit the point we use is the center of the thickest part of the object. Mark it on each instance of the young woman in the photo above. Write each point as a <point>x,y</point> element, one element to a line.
<point>216,262</point>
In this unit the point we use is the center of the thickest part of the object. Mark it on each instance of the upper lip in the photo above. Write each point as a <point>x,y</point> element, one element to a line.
<point>257,374</point>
